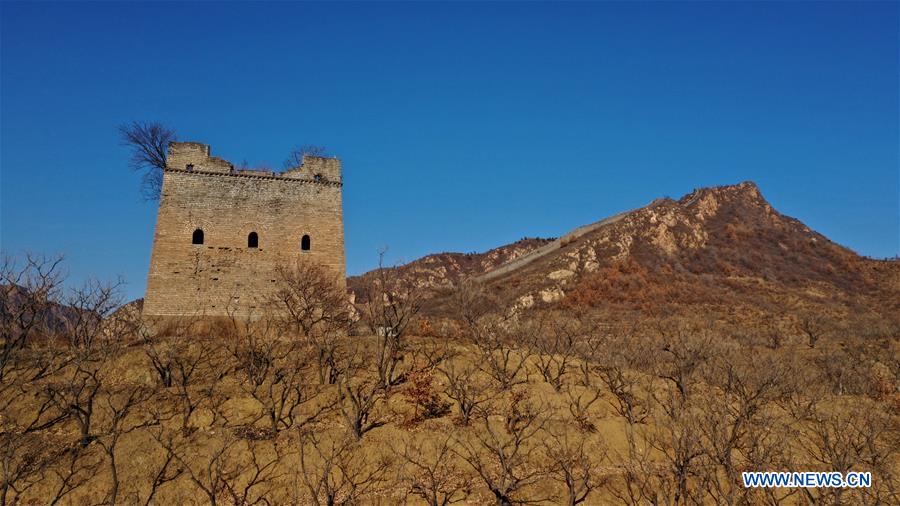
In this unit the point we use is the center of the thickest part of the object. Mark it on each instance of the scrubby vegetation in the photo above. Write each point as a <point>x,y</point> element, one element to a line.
<point>318,402</point>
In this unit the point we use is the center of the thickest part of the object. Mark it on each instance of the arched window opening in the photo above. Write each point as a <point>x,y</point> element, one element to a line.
<point>197,237</point>
<point>304,243</point>
<point>252,240</point>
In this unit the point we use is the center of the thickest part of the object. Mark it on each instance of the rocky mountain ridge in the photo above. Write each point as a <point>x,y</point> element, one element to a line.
<point>721,247</point>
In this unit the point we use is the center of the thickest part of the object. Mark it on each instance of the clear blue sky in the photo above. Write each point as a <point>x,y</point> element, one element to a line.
<point>461,126</point>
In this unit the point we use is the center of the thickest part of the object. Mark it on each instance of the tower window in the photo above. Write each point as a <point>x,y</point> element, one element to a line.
<point>304,243</point>
<point>252,240</point>
<point>189,167</point>
<point>197,238</point>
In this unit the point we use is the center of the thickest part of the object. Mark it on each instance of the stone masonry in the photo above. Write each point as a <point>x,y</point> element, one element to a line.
<point>295,215</point>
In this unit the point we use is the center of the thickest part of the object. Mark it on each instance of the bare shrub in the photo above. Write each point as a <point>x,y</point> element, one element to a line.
<point>314,306</point>
<point>628,399</point>
<point>579,402</point>
<point>853,436</point>
<point>335,471</point>
<point>23,461</point>
<point>271,371</point>
<point>737,408</point>
<point>360,392</point>
<point>390,303</point>
<point>573,463</point>
<point>426,401</point>
<point>28,291</point>
<point>554,347</point>
<point>227,469</point>
<point>466,388</point>
<point>430,471</point>
<point>813,326</point>
<point>121,404</point>
<point>504,455</point>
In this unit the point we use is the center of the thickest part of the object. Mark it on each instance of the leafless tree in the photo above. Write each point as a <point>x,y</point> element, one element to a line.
<point>555,349</point>
<point>295,158</point>
<point>23,461</point>
<point>359,393</point>
<point>813,326</point>
<point>471,304</point>
<point>27,294</point>
<point>272,372</point>
<point>312,298</point>
<point>579,401</point>
<point>190,367</point>
<point>429,470</point>
<point>624,385</point>
<point>78,387</point>
<point>504,456</point>
<point>170,469</point>
<point>678,440</point>
<point>430,353</point>
<point>74,396</point>
<point>637,482</point>
<point>120,405</point>
<point>773,331</point>
<point>838,368</point>
<point>493,335</point>
<point>73,468</point>
<point>466,388</point>
<point>149,143</point>
<point>162,352</point>
<point>315,307</point>
<point>573,463</point>
<point>683,347</point>
<point>90,307</point>
<point>390,303</point>
<point>234,469</point>
<point>335,472</point>
<point>737,402</point>
<point>498,356</point>
<point>768,446</point>
<point>858,437</point>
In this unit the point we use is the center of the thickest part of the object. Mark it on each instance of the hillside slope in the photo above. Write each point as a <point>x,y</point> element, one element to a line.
<point>716,249</point>
<point>444,270</point>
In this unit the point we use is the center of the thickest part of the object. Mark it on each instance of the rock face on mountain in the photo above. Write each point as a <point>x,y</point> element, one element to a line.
<point>722,249</point>
<point>445,270</point>
<point>715,246</point>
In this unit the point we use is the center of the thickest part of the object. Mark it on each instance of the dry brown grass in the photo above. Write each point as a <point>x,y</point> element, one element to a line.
<point>228,452</point>
<point>556,407</point>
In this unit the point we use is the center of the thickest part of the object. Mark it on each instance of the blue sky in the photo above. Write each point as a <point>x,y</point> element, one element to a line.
<point>461,126</point>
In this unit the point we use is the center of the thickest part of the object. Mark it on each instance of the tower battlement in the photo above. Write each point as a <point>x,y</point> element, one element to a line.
<point>221,232</point>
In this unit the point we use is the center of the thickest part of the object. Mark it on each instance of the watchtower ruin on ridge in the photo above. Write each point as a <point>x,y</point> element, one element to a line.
<point>221,232</point>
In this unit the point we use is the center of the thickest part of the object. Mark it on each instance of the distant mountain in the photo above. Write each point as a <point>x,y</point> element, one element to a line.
<point>49,316</point>
<point>715,249</point>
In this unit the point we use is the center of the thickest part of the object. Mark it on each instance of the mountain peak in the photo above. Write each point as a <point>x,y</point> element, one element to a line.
<point>747,191</point>
<point>714,247</point>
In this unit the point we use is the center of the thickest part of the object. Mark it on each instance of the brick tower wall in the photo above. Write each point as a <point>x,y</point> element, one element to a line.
<point>206,193</point>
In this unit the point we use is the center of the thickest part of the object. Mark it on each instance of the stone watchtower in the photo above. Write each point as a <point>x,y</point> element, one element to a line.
<point>221,232</point>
